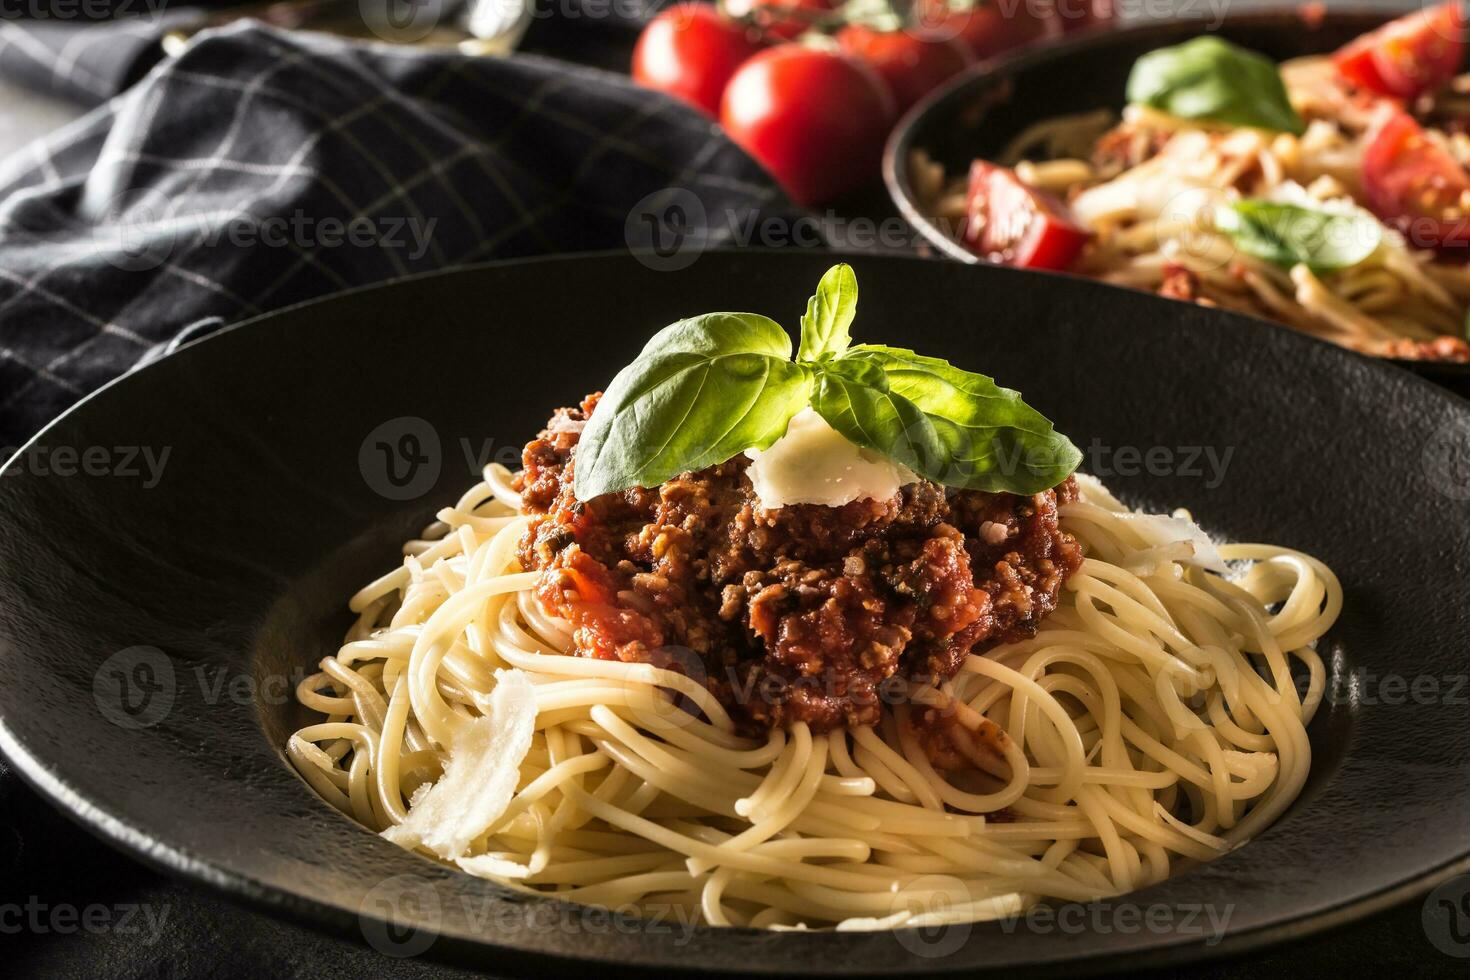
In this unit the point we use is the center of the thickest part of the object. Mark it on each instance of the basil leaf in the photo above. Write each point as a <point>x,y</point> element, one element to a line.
<point>944,423</point>
<point>825,329</point>
<point>1211,79</point>
<point>855,399</point>
<point>1288,234</point>
<point>703,390</point>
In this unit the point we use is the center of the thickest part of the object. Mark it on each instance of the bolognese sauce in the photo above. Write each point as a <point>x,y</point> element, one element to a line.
<point>799,613</point>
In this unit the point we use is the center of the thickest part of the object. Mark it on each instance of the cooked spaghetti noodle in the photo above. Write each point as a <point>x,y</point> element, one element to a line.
<point>1154,720</point>
<point>1148,187</point>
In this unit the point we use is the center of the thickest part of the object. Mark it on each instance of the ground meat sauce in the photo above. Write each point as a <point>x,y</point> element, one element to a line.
<point>795,614</point>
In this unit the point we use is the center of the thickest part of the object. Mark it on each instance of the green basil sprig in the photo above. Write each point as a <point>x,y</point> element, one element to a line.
<point>826,328</point>
<point>1214,80</point>
<point>703,390</point>
<point>1289,234</point>
<point>944,423</point>
<point>707,388</point>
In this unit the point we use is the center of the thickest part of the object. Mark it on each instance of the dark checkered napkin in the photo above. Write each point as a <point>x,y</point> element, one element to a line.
<point>261,168</point>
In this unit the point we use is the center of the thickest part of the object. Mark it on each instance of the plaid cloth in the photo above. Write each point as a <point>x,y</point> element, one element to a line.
<point>87,51</point>
<point>88,63</point>
<point>261,168</point>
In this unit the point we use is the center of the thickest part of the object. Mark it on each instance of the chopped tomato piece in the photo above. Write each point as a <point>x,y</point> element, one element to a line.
<point>1409,56</point>
<point>589,578</point>
<point>1012,223</point>
<point>1413,183</point>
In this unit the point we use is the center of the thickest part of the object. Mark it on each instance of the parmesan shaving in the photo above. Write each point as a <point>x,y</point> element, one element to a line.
<point>480,777</point>
<point>814,464</point>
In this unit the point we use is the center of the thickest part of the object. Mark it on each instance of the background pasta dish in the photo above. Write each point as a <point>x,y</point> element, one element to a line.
<point>1329,193</point>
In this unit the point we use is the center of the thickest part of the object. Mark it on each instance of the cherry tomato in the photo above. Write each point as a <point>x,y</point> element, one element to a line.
<point>1408,56</point>
<point>1413,183</point>
<point>816,118</point>
<point>1011,223</point>
<point>690,51</point>
<point>767,15</point>
<point>912,66</point>
<point>990,27</point>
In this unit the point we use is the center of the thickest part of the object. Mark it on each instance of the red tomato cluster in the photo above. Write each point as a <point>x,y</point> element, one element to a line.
<point>1410,180</point>
<point>1409,56</point>
<point>816,112</point>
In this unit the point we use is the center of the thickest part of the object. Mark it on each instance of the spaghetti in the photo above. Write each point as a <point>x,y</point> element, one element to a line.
<point>1154,720</point>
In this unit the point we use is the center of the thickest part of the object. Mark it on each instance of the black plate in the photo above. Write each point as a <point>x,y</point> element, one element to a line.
<point>981,111</point>
<point>146,626</point>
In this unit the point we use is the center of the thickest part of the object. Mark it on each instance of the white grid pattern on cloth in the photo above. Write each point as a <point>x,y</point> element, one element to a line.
<point>480,158</point>
<point>86,55</point>
<point>65,68</point>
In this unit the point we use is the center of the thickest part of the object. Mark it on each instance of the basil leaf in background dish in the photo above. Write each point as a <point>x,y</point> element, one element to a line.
<point>990,439</point>
<point>826,327</point>
<point>1289,234</point>
<point>1214,80</point>
<point>702,391</point>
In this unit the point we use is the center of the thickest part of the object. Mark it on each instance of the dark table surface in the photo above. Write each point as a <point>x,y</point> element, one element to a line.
<point>72,907</point>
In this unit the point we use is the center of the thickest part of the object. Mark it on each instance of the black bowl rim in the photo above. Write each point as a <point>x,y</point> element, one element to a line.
<point>293,907</point>
<point>993,71</point>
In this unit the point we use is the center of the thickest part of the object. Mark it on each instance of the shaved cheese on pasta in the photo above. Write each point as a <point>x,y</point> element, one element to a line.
<point>1164,532</point>
<point>814,464</point>
<point>480,776</point>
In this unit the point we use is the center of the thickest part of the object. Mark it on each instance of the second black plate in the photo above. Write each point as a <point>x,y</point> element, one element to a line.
<point>178,550</point>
